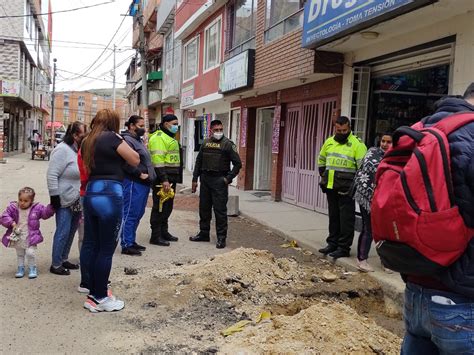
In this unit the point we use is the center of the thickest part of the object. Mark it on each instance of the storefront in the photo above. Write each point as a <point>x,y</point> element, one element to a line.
<point>400,58</point>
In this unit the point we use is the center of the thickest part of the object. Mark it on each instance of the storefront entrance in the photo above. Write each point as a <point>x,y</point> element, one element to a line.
<point>403,99</point>
<point>307,125</point>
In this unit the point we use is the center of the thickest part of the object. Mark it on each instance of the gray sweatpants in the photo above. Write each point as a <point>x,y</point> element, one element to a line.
<point>30,254</point>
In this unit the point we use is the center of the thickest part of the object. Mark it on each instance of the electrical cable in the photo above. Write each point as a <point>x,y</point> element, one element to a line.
<point>87,70</point>
<point>59,11</point>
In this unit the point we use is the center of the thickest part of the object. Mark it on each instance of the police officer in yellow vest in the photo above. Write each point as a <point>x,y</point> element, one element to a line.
<point>339,158</point>
<point>213,168</point>
<point>166,158</point>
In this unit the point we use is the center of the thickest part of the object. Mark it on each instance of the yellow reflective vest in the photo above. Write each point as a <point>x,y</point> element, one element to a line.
<point>164,150</point>
<point>338,162</point>
<point>165,154</point>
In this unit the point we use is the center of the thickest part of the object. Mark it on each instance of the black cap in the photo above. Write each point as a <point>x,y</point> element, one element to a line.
<point>167,118</point>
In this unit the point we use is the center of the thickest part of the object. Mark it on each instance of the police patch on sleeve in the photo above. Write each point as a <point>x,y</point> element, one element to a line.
<point>234,147</point>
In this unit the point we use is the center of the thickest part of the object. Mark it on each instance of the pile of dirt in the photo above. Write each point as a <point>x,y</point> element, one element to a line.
<point>304,300</point>
<point>324,328</point>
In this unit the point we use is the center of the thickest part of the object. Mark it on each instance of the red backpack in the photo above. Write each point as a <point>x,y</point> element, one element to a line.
<point>415,220</point>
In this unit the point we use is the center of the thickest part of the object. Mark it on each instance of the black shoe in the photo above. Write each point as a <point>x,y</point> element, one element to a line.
<point>59,270</point>
<point>138,247</point>
<point>339,253</point>
<point>200,238</point>
<point>70,266</point>
<point>327,250</point>
<point>160,241</point>
<point>170,238</point>
<point>220,243</point>
<point>131,251</point>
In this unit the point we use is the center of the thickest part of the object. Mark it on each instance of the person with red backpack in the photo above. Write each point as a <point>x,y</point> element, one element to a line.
<point>423,223</point>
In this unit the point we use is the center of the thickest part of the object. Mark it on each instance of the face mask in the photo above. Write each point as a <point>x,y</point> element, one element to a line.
<point>140,131</point>
<point>341,138</point>
<point>218,135</point>
<point>174,128</point>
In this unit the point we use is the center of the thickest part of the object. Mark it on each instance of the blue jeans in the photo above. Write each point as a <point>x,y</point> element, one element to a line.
<point>135,197</point>
<point>433,328</point>
<point>103,206</point>
<point>66,226</point>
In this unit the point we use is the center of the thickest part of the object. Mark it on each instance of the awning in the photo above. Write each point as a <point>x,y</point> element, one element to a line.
<point>57,124</point>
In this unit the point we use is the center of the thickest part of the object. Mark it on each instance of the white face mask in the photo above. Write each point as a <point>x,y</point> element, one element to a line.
<point>218,135</point>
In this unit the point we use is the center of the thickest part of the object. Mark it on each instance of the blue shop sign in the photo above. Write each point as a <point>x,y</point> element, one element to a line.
<point>327,20</point>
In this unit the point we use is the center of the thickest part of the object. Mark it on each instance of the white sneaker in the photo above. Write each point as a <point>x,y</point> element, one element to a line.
<point>106,304</point>
<point>81,289</point>
<point>364,266</point>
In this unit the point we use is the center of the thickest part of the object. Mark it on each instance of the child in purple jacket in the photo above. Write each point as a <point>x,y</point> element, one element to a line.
<point>22,220</point>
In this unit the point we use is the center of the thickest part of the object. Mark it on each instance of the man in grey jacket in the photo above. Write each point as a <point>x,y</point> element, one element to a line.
<point>64,188</point>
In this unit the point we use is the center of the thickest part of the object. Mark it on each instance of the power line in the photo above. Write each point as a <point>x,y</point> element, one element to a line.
<point>85,76</point>
<point>58,12</point>
<point>86,71</point>
<point>53,40</point>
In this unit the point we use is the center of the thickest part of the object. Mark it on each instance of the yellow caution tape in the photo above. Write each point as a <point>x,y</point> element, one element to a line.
<point>237,327</point>
<point>164,196</point>
<point>291,244</point>
<point>262,316</point>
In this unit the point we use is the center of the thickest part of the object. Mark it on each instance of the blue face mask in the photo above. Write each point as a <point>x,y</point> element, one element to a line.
<point>174,128</point>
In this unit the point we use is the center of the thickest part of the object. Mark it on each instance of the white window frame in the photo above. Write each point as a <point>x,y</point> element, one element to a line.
<point>219,45</point>
<point>185,62</point>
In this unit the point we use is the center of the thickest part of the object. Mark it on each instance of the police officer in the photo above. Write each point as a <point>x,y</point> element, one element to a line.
<point>339,158</point>
<point>166,158</point>
<point>213,168</point>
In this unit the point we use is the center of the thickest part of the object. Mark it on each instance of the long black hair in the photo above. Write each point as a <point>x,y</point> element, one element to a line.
<point>72,129</point>
<point>133,120</point>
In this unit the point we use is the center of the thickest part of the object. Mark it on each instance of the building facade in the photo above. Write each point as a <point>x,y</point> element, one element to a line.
<point>70,106</point>
<point>200,27</point>
<point>153,42</point>
<point>278,72</point>
<point>25,73</point>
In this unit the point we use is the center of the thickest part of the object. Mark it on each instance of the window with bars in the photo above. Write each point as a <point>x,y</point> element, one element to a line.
<point>360,101</point>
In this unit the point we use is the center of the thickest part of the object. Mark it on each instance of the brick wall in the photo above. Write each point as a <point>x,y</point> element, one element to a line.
<point>281,59</point>
<point>9,60</point>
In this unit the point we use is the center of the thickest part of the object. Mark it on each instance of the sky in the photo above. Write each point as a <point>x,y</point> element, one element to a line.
<point>94,26</point>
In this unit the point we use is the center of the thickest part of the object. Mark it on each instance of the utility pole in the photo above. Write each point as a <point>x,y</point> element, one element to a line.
<point>113,75</point>
<point>142,49</point>
<point>53,96</point>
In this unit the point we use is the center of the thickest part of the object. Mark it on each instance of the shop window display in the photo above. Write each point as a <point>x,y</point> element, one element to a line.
<point>403,99</point>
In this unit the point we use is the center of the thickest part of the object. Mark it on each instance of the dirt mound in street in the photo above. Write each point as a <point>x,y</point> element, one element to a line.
<point>324,328</point>
<point>308,304</point>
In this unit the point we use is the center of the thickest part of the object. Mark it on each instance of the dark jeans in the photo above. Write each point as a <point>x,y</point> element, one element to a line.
<point>434,328</point>
<point>103,206</point>
<point>365,236</point>
<point>213,194</point>
<point>135,197</point>
<point>159,220</point>
<point>341,220</point>
<point>67,222</point>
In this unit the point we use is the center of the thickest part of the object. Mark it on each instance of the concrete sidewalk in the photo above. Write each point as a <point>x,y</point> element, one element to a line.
<point>310,230</point>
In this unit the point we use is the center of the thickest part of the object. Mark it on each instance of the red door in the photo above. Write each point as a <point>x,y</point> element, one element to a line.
<point>308,124</point>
